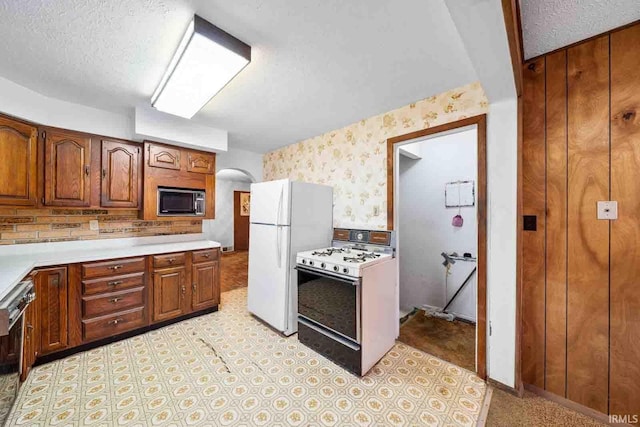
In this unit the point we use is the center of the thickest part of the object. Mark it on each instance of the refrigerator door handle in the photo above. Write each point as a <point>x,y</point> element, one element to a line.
<point>279,245</point>
<point>280,205</point>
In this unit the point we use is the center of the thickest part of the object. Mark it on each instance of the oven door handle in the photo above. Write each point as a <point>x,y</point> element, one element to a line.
<point>346,343</point>
<point>354,281</point>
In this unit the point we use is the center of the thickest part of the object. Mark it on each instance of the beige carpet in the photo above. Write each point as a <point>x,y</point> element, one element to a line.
<point>226,368</point>
<point>507,410</point>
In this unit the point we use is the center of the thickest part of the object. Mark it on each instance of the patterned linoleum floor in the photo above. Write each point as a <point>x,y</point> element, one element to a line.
<point>226,368</point>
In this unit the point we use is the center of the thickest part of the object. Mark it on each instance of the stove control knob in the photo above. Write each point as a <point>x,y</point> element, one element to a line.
<point>304,261</point>
<point>345,270</point>
<point>323,265</point>
<point>310,262</point>
<point>336,268</point>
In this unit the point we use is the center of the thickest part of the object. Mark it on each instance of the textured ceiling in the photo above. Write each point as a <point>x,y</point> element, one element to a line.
<point>551,24</point>
<point>317,65</point>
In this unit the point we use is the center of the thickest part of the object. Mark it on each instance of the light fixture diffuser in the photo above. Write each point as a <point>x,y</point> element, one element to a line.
<point>205,61</point>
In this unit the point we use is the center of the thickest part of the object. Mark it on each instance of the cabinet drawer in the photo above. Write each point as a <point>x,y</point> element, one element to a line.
<point>102,304</point>
<point>169,260</point>
<point>112,284</point>
<point>205,255</point>
<point>111,267</point>
<point>113,324</point>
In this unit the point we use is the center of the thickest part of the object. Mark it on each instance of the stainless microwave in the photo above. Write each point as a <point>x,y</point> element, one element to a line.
<point>180,202</point>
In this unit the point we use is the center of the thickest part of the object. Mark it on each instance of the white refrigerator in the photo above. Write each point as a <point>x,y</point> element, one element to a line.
<point>286,217</point>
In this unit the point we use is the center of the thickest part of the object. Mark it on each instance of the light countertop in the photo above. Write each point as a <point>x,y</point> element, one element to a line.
<point>16,261</point>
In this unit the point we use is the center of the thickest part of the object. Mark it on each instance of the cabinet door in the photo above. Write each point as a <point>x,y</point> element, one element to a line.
<point>67,171</point>
<point>120,174</point>
<point>161,156</point>
<point>169,292</point>
<point>31,339</point>
<point>205,289</point>
<point>18,163</point>
<point>201,162</point>
<point>51,298</point>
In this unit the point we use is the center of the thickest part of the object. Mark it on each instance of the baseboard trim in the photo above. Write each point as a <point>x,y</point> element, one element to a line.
<point>105,341</point>
<point>503,387</point>
<point>584,410</point>
<point>484,410</point>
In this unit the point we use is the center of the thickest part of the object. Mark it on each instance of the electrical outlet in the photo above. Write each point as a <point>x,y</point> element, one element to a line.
<point>376,211</point>
<point>94,225</point>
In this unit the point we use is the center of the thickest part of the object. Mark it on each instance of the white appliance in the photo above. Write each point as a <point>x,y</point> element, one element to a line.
<point>286,217</point>
<point>347,305</point>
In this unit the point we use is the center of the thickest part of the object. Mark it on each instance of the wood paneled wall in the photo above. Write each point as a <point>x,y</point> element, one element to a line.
<point>581,275</point>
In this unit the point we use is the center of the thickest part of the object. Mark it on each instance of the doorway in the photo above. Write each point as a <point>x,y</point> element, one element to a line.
<point>241,201</point>
<point>231,227</point>
<point>437,205</point>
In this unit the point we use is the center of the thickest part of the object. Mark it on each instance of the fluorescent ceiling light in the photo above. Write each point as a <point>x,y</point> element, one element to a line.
<point>206,60</point>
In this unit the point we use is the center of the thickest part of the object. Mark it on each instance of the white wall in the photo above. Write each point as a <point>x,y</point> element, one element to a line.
<point>221,229</point>
<point>23,103</point>
<point>480,24</point>
<point>425,229</point>
<point>502,178</point>
<point>18,101</point>
<point>246,161</point>
<point>157,126</point>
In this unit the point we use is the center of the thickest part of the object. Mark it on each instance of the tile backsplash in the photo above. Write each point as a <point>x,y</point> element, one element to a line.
<point>53,225</point>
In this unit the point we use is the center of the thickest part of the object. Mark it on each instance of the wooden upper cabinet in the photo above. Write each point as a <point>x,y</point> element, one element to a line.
<point>161,156</point>
<point>201,162</point>
<point>18,163</point>
<point>51,298</point>
<point>121,174</point>
<point>67,169</point>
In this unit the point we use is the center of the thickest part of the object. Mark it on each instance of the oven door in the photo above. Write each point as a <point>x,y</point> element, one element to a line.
<point>330,301</point>
<point>10,365</point>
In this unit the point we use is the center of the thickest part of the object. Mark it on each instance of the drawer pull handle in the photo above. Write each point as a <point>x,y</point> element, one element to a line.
<point>115,321</point>
<point>207,255</point>
<point>114,300</point>
<point>170,260</point>
<point>115,283</point>
<point>184,290</point>
<point>116,267</point>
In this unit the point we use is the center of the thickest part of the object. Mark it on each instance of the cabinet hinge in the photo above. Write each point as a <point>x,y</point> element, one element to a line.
<point>44,135</point>
<point>42,200</point>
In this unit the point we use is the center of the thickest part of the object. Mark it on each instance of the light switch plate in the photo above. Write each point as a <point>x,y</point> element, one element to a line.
<point>93,225</point>
<point>607,209</point>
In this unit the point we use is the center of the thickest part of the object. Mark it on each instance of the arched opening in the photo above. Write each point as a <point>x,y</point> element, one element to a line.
<point>231,225</point>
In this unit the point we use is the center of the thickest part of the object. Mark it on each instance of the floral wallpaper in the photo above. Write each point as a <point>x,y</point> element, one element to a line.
<point>354,159</point>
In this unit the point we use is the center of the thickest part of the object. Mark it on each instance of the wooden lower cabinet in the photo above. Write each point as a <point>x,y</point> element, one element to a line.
<point>205,291</point>
<point>80,304</point>
<point>31,335</point>
<point>169,293</point>
<point>51,298</point>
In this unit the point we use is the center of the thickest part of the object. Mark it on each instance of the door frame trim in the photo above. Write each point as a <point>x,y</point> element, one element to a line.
<point>481,305</point>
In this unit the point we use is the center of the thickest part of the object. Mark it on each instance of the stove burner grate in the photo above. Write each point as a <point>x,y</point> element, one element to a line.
<point>329,252</point>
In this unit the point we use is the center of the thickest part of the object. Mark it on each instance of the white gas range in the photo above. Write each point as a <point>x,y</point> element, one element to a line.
<point>348,260</point>
<point>348,298</point>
